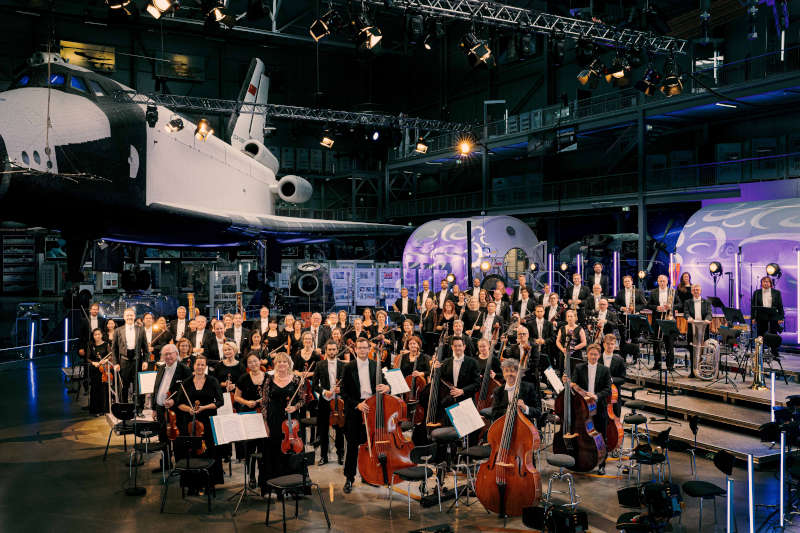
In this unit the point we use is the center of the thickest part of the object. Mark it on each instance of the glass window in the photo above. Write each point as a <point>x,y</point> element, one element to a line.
<point>56,79</point>
<point>77,83</point>
<point>96,89</point>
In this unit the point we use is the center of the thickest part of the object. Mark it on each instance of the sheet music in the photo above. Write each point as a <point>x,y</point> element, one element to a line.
<point>465,417</point>
<point>253,425</point>
<point>396,381</point>
<point>227,428</point>
<point>554,381</point>
<point>227,407</point>
<point>147,382</point>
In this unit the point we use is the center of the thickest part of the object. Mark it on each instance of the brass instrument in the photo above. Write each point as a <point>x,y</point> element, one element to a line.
<point>190,296</point>
<point>758,365</point>
<point>239,306</point>
<point>698,333</point>
<point>708,364</point>
<point>667,315</point>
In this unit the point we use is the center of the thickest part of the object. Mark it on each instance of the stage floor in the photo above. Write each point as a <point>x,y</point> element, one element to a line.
<point>54,479</point>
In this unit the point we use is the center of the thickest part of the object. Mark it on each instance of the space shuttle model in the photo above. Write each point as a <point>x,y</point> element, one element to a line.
<point>74,156</point>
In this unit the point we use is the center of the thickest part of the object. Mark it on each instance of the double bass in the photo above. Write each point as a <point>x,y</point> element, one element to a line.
<point>508,482</point>
<point>386,449</point>
<point>415,384</point>
<point>420,435</point>
<point>577,436</point>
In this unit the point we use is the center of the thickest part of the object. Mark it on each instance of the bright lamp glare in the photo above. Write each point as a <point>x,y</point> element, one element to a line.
<point>715,267</point>
<point>773,269</point>
<point>485,266</point>
<point>203,130</point>
<point>642,274</point>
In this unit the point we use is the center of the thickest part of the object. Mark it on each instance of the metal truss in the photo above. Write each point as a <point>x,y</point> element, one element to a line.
<point>215,105</point>
<point>505,16</point>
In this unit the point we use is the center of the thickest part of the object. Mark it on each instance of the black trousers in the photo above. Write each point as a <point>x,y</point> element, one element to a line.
<point>127,375</point>
<point>766,326</point>
<point>323,427</point>
<point>669,344</point>
<point>355,433</point>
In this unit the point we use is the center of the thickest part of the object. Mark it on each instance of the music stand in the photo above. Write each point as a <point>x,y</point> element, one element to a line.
<point>727,335</point>
<point>668,327</point>
<point>733,315</point>
<point>638,324</point>
<point>716,302</point>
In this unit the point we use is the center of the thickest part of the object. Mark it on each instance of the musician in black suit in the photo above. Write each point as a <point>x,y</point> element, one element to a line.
<point>130,350</point>
<point>529,401</point>
<point>201,337</point>
<point>592,303</point>
<point>214,351</point>
<point>662,302</point>
<point>319,332</point>
<point>577,296</point>
<point>695,308</point>
<point>553,312</point>
<point>239,334</point>
<point>262,322</point>
<point>444,294</point>
<point>541,334</point>
<point>595,379</point>
<point>525,305</point>
<point>475,291</point>
<point>537,362</point>
<point>404,305</point>
<point>516,296</point>
<point>766,296</point>
<point>88,324</point>
<point>425,294</point>
<point>461,373</point>
<point>179,327</point>
<point>358,384</point>
<point>168,376</point>
<point>629,300</point>
<point>597,277</point>
<point>327,385</point>
<point>502,305</point>
<point>470,346</point>
<point>614,363</point>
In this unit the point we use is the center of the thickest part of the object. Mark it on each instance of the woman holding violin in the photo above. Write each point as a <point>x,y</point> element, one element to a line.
<point>100,376</point>
<point>247,399</point>
<point>276,391</point>
<point>444,324</point>
<point>108,335</point>
<point>303,361</point>
<point>198,399</point>
<point>357,331</point>
<point>571,339</point>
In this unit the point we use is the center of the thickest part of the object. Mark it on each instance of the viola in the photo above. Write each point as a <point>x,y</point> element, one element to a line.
<point>197,429</point>
<point>105,373</point>
<point>386,449</point>
<point>292,443</point>
<point>415,384</point>
<point>508,482</point>
<point>172,425</point>
<point>614,430</point>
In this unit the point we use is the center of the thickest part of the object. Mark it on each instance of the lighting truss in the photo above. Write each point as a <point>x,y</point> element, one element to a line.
<point>515,18</point>
<point>277,111</point>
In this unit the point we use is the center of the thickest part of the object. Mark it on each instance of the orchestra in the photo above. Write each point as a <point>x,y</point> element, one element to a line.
<point>461,346</point>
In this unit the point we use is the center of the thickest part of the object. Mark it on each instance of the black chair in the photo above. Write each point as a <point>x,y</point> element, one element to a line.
<point>294,484</point>
<point>773,342</point>
<point>189,465</point>
<point>654,454</point>
<point>420,456</point>
<point>694,422</point>
<point>124,412</point>
<point>147,431</point>
<point>705,490</point>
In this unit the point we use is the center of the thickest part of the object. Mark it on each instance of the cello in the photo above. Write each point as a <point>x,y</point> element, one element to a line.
<point>483,398</point>
<point>386,449</point>
<point>415,384</point>
<point>614,429</point>
<point>577,436</point>
<point>508,482</point>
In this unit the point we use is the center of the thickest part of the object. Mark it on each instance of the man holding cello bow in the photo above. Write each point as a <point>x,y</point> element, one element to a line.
<point>529,402</point>
<point>357,385</point>
<point>327,377</point>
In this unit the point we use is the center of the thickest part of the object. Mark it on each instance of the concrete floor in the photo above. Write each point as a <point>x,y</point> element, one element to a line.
<point>54,479</point>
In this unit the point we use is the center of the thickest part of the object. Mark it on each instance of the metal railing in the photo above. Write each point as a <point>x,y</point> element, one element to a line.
<point>343,213</point>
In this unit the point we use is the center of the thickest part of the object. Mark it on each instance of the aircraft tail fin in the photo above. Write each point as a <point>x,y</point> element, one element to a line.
<point>245,124</point>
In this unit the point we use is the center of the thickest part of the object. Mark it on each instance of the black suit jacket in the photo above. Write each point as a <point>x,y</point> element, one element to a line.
<point>705,309</point>
<point>515,295</point>
<point>758,301</point>
<point>205,344</point>
<point>617,367</point>
<point>428,294</point>
<point>559,316</point>
<point>583,294</point>
<point>547,331</point>
<point>323,335</point>
<point>638,298</point>
<point>517,307</point>
<point>212,352</point>
<point>159,340</point>
<point>469,377</point>
<point>181,372</point>
<point>589,306</point>
<point>474,292</point>
<point>121,344</point>
<point>351,386</point>
<point>245,342</point>
<point>503,310</point>
<point>85,333</point>
<point>652,302</point>
<point>603,281</point>
<point>322,380</point>
<point>449,296</point>
<point>173,328</point>
<point>602,382</point>
<point>256,324</point>
<point>528,393</point>
<point>412,306</point>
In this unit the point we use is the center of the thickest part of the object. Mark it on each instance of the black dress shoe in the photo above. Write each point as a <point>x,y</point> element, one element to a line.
<point>323,461</point>
<point>348,487</point>
<point>341,460</point>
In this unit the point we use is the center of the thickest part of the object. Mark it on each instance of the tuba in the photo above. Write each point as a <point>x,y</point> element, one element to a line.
<point>698,333</point>
<point>708,364</point>
<point>758,365</point>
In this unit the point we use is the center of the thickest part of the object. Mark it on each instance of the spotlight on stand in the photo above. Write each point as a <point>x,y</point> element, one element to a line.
<point>323,26</point>
<point>620,68</point>
<point>672,84</point>
<point>774,270</point>
<point>367,35</point>
<point>203,130</point>
<point>156,8</point>
<point>564,267</point>
<point>421,147</point>
<point>715,268</point>
<point>478,52</point>
<point>435,31</point>
<point>119,4</point>
<point>175,124</point>
<point>375,136</point>
<point>649,82</point>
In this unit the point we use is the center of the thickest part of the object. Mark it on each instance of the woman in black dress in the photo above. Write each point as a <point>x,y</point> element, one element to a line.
<point>276,391</point>
<point>98,391</point>
<point>341,320</point>
<point>258,348</point>
<point>358,330</point>
<point>273,338</point>
<point>304,362</point>
<point>367,320</point>
<point>185,354</point>
<point>445,323</point>
<point>204,398</point>
<point>413,361</point>
<point>571,340</point>
<point>228,371</point>
<point>247,399</point>
<point>684,290</point>
<point>109,333</point>
<point>295,340</point>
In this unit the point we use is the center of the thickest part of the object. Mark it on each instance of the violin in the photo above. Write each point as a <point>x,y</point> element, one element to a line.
<point>508,482</point>
<point>614,429</point>
<point>172,425</point>
<point>292,443</point>
<point>378,352</point>
<point>415,384</point>
<point>484,396</point>
<point>337,409</point>
<point>308,393</point>
<point>197,429</point>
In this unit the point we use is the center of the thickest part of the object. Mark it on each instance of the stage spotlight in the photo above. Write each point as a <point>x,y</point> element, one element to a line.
<point>117,4</point>
<point>715,268</point>
<point>416,25</point>
<point>485,265</point>
<point>620,67</point>
<point>327,141</point>
<point>156,8</point>
<point>435,31</point>
<point>774,270</point>
<point>421,147</point>
<point>175,124</point>
<point>376,135</point>
<point>534,267</point>
<point>323,26</point>
<point>368,35</point>
<point>672,84</point>
<point>527,45</point>
<point>464,146</point>
<point>478,52</point>
<point>564,267</point>
<point>642,274</point>
<point>591,74</point>
<point>649,82</point>
<point>203,130</point>
<point>450,278</point>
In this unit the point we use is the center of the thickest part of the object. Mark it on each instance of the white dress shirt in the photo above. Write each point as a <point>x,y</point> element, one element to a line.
<point>519,292</point>
<point>698,309</point>
<point>628,297</point>
<point>198,340</point>
<point>488,322</point>
<point>220,344</point>
<point>523,308</point>
<point>363,378</point>
<point>576,290</point>
<point>456,369</point>
<point>180,328</point>
<point>92,323</point>
<point>601,315</point>
<point>163,389</point>
<point>552,313</point>
<point>423,297</point>
<point>264,325</point>
<point>766,297</point>
<point>607,359</point>
<point>404,306</point>
<point>539,326</point>
<point>442,298</point>
<point>509,392</point>
<point>332,373</point>
<point>237,335</point>
<point>663,294</point>
<point>130,336</point>
<point>315,335</point>
<point>148,334</point>
<point>592,373</point>
<point>597,279</point>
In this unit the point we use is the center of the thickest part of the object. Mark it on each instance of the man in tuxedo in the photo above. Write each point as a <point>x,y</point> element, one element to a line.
<point>475,291</point>
<point>179,327</point>
<point>444,294</point>
<point>766,296</point>
<point>593,301</point>
<point>239,334</point>
<point>537,363</point>
<point>524,306</point>
<point>630,300</point>
<point>595,379</point>
<point>460,372</point>
<point>518,290</point>
<point>425,294</point>
<point>88,324</point>
<point>326,384</point>
<point>614,363</point>
<point>577,296</point>
<point>168,376</point>
<point>319,333</point>
<point>404,305</point>
<point>695,308</point>
<point>490,322</point>
<point>502,308</point>
<point>598,278</point>
<point>358,384</point>
<point>661,304</point>
<point>458,331</point>
<point>553,311</point>
<point>130,350</point>
<point>541,331</point>
<point>529,401</point>
<point>262,322</point>
<point>201,337</point>
<point>214,352</point>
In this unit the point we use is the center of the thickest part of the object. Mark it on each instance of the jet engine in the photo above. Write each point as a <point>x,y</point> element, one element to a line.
<point>294,189</point>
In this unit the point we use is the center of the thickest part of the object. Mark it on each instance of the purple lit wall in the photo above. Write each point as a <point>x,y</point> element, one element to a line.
<point>442,244</point>
<point>767,231</point>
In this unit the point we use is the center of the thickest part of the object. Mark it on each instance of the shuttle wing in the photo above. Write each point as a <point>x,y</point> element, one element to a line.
<point>254,226</point>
